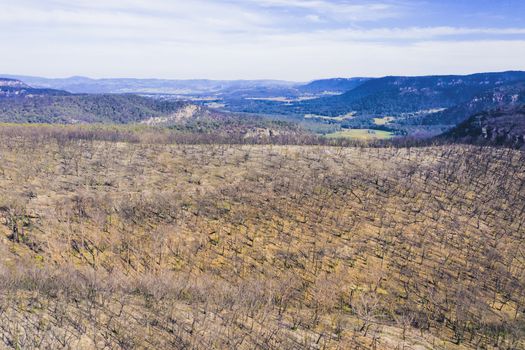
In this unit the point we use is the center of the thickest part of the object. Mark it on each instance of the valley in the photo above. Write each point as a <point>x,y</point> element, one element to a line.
<point>423,106</point>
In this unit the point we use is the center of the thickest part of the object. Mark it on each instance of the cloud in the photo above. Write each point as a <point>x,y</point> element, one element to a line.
<point>160,12</point>
<point>300,62</point>
<point>284,39</point>
<point>313,18</point>
<point>236,15</point>
<point>394,35</point>
<point>202,24</point>
<point>337,10</point>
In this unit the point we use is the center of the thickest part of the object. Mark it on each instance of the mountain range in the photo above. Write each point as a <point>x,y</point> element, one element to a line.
<point>193,87</point>
<point>395,95</point>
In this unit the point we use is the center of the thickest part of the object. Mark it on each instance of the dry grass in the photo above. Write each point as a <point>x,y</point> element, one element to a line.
<point>361,134</point>
<point>139,245</point>
<point>383,121</point>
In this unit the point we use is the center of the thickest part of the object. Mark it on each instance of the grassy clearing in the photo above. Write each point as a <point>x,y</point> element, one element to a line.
<point>383,121</point>
<point>339,118</point>
<point>361,134</point>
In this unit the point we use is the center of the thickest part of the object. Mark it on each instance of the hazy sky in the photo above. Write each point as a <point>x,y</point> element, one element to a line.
<point>272,39</point>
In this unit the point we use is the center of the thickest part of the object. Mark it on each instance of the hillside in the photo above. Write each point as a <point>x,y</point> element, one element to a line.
<point>406,98</point>
<point>12,83</point>
<point>23,104</point>
<point>396,95</point>
<point>333,85</point>
<point>230,91</point>
<point>20,102</point>
<point>195,87</point>
<point>498,127</point>
<point>157,245</point>
<point>503,96</point>
<point>69,108</point>
<point>11,88</point>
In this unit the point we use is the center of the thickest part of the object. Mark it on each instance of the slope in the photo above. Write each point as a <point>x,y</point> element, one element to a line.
<point>498,127</point>
<point>130,245</point>
<point>70,108</point>
<point>396,95</point>
<point>503,96</point>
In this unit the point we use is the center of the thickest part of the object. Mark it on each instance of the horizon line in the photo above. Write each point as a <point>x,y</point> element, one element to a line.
<point>11,75</point>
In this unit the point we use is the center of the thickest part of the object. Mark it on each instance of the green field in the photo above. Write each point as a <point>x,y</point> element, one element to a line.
<point>361,134</point>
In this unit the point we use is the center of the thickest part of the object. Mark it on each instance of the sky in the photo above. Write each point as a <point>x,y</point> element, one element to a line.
<point>296,40</point>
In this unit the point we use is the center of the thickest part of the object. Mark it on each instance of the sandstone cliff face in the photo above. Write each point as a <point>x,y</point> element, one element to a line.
<point>184,114</point>
<point>501,127</point>
<point>12,88</point>
<point>12,83</point>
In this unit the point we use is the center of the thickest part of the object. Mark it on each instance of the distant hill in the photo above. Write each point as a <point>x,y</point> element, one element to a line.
<point>390,96</point>
<point>503,96</point>
<point>396,95</point>
<point>151,86</point>
<point>51,108</point>
<point>12,83</point>
<point>222,89</point>
<point>335,85</point>
<point>500,127</point>
<point>20,102</point>
<point>12,88</point>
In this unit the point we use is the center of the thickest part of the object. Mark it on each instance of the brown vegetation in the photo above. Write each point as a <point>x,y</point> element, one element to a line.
<point>143,244</point>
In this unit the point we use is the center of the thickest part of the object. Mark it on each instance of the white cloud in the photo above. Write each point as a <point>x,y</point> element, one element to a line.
<point>340,10</point>
<point>313,18</point>
<point>231,39</point>
<point>396,34</point>
<point>303,61</point>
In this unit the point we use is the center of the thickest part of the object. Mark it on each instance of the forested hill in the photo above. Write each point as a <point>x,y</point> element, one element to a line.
<point>68,108</point>
<point>503,96</point>
<point>396,95</point>
<point>334,85</point>
<point>22,103</point>
<point>499,127</point>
